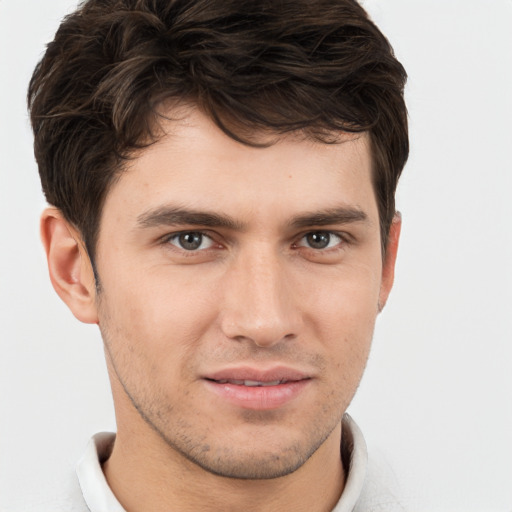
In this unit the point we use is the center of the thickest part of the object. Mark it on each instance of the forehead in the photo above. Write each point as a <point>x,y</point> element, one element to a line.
<point>195,165</point>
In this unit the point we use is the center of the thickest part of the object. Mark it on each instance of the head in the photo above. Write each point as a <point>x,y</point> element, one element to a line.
<point>227,169</point>
<point>316,67</point>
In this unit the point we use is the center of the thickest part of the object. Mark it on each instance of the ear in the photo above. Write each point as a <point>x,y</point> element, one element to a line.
<point>70,268</point>
<point>388,266</point>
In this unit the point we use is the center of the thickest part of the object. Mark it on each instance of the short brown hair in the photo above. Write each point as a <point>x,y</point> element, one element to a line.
<point>316,66</point>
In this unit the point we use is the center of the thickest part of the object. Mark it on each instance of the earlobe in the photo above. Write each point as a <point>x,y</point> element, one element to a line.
<point>69,266</point>
<point>388,267</point>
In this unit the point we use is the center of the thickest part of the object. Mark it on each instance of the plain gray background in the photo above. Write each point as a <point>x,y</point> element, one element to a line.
<point>436,400</point>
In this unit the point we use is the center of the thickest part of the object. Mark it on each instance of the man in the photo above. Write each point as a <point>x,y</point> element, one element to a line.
<point>221,176</point>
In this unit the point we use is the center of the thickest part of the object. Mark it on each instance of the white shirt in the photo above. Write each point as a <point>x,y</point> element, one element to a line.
<point>360,494</point>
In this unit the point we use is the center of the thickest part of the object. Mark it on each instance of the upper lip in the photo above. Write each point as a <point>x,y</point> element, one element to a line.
<point>276,373</point>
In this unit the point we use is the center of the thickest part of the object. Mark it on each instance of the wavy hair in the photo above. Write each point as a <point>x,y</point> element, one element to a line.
<point>253,66</point>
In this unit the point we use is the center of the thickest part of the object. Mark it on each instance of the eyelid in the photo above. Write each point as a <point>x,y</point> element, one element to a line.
<point>343,239</point>
<point>167,239</point>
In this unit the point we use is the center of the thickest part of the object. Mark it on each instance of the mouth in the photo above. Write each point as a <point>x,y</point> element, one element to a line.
<point>251,383</point>
<point>254,389</point>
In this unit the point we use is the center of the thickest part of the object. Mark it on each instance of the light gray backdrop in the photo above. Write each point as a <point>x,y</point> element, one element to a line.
<point>437,396</point>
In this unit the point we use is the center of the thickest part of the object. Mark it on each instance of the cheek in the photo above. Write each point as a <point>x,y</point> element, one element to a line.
<point>342,313</point>
<point>153,321</point>
<point>347,299</point>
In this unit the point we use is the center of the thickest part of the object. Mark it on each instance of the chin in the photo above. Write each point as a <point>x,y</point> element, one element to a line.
<point>274,456</point>
<point>251,466</point>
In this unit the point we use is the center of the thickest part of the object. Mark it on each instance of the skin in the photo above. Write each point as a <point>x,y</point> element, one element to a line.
<point>256,293</point>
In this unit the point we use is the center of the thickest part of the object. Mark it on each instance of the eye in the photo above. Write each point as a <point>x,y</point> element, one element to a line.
<point>191,241</point>
<point>320,240</point>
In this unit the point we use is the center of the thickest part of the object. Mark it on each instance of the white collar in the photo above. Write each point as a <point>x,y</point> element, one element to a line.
<point>353,447</point>
<point>100,498</point>
<point>97,494</point>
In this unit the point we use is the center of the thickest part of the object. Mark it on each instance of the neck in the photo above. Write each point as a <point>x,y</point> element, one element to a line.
<point>146,474</point>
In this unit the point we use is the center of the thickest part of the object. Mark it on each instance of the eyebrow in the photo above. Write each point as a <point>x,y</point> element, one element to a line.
<point>342,215</point>
<point>169,216</point>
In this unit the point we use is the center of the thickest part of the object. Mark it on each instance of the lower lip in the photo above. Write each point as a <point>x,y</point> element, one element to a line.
<point>258,397</point>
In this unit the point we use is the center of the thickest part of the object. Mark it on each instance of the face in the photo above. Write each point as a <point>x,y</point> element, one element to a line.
<point>239,290</point>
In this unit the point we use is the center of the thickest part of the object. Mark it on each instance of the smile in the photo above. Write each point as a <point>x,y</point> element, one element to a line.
<point>256,389</point>
<point>250,383</point>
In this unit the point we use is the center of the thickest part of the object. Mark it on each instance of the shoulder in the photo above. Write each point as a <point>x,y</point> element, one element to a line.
<point>381,492</point>
<point>370,484</point>
<point>71,499</point>
<point>64,496</point>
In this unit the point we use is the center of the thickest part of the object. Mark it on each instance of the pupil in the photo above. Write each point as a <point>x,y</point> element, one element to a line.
<point>318,240</point>
<point>191,241</point>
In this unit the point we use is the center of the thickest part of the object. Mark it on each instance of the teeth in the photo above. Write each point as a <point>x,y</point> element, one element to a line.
<point>272,383</point>
<point>250,383</point>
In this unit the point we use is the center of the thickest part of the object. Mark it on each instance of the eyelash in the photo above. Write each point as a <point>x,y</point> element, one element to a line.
<point>343,240</point>
<point>167,241</point>
<point>330,235</point>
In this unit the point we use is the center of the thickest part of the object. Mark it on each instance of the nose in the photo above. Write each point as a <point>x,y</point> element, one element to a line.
<point>259,304</point>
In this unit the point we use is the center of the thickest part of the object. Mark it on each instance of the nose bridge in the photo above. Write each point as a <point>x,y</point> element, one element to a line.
<point>258,302</point>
